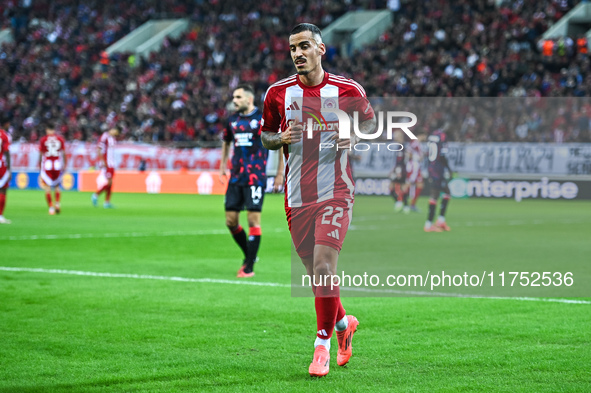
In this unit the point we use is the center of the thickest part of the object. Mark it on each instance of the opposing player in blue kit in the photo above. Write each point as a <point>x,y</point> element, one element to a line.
<point>438,164</point>
<point>248,179</point>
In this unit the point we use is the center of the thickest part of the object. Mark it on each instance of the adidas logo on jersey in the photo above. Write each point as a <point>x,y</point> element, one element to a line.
<point>334,234</point>
<point>294,106</point>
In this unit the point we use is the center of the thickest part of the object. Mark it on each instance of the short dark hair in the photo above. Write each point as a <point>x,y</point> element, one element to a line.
<point>50,125</point>
<point>246,87</point>
<point>307,27</point>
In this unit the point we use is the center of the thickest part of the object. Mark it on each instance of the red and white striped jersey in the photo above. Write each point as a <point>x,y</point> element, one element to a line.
<point>314,174</point>
<point>415,149</point>
<point>4,145</point>
<point>106,145</point>
<point>413,165</point>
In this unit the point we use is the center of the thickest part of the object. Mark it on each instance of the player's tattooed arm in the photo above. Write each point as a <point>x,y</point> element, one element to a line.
<point>271,140</point>
<point>292,134</point>
<point>368,126</point>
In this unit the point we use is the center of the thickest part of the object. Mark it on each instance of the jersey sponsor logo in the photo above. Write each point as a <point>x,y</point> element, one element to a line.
<point>243,139</point>
<point>326,126</point>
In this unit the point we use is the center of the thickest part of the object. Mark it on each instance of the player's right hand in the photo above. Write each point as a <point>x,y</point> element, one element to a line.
<point>223,176</point>
<point>278,183</point>
<point>293,133</point>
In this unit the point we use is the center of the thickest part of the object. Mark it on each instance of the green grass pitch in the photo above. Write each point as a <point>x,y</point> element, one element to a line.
<point>80,333</point>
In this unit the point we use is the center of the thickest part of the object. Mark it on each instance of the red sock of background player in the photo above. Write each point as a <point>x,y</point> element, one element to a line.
<point>405,198</point>
<point>2,203</point>
<point>239,236</point>
<point>48,198</point>
<point>398,191</point>
<point>100,191</point>
<point>327,305</point>
<point>58,196</point>
<point>417,194</point>
<point>108,197</point>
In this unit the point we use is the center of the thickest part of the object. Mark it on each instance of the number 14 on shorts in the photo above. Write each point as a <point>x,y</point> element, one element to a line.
<point>256,194</point>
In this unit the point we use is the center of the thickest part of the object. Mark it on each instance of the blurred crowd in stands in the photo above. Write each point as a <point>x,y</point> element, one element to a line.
<point>56,68</point>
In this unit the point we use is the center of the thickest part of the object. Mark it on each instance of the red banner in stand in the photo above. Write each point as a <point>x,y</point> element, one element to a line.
<point>83,156</point>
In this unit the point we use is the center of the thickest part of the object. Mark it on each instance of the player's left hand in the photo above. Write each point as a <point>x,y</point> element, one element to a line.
<point>343,144</point>
<point>278,183</point>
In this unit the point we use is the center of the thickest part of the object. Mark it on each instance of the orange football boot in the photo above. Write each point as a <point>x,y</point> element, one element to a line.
<point>443,226</point>
<point>321,362</point>
<point>344,339</point>
<point>242,274</point>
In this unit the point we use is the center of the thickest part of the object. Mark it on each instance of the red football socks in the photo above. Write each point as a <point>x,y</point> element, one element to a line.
<point>328,305</point>
<point>48,198</point>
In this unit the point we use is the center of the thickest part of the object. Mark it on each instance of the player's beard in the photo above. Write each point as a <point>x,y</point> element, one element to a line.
<point>304,72</point>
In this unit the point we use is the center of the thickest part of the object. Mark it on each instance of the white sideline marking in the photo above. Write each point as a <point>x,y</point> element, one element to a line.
<point>352,227</point>
<point>124,234</point>
<point>140,276</point>
<point>269,284</point>
<point>398,224</point>
<point>470,224</point>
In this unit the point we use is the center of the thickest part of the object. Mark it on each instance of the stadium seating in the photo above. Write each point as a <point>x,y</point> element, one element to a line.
<point>435,48</point>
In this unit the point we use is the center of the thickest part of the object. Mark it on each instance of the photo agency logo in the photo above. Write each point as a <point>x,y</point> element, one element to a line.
<point>332,118</point>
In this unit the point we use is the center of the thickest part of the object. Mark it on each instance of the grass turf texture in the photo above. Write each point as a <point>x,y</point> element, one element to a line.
<point>65,333</point>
